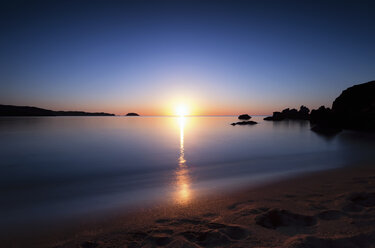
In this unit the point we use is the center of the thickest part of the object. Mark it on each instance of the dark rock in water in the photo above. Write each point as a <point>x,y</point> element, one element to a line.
<point>244,123</point>
<point>132,114</point>
<point>355,107</point>
<point>326,130</point>
<point>268,118</point>
<point>244,117</point>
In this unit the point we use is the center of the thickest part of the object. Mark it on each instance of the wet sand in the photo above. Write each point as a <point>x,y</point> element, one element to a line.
<point>333,208</point>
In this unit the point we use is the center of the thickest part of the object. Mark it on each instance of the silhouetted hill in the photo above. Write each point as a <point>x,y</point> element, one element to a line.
<point>11,110</point>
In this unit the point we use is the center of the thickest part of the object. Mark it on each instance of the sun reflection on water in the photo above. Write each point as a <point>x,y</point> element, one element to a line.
<point>183,194</point>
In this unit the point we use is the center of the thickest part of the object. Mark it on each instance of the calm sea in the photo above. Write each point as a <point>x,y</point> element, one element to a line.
<point>61,167</point>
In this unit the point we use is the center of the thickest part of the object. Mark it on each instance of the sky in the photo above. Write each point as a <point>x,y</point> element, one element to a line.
<point>214,57</point>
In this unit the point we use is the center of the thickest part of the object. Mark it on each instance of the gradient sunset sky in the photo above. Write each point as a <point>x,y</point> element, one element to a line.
<point>217,57</point>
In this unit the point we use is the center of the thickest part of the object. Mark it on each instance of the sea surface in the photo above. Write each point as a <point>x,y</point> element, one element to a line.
<point>54,168</point>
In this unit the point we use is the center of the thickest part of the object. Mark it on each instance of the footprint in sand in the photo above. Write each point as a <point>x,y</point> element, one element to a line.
<point>363,199</point>
<point>200,232</point>
<point>159,240</point>
<point>351,207</point>
<point>238,204</point>
<point>162,231</point>
<point>232,231</point>
<point>216,234</point>
<point>330,215</point>
<point>193,221</point>
<point>235,232</point>
<point>303,241</point>
<point>356,202</point>
<point>162,221</point>
<point>252,211</point>
<point>154,237</point>
<point>210,215</point>
<point>209,238</point>
<point>318,206</point>
<point>275,218</point>
<point>290,196</point>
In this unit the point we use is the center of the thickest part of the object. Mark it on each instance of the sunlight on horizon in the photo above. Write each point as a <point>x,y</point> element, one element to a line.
<point>182,110</point>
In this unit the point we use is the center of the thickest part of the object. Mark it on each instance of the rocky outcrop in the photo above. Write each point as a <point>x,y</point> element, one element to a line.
<point>276,116</point>
<point>244,117</point>
<point>293,114</point>
<point>355,107</point>
<point>324,121</point>
<point>321,114</point>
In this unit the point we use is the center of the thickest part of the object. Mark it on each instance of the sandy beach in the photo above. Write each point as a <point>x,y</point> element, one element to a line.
<point>334,208</point>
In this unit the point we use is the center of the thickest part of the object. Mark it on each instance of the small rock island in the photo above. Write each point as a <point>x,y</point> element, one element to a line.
<point>245,117</point>
<point>244,123</point>
<point>132,114</point>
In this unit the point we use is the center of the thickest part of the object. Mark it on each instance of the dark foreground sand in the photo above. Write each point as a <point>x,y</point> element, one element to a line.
<point>327,209</point>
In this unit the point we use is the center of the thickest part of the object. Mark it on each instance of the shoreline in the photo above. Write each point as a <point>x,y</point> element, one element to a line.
<point>316,208</point>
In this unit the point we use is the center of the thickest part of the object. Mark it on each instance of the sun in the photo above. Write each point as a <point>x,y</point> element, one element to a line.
<point>182,110</point>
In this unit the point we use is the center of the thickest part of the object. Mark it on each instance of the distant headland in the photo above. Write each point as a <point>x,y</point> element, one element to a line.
<point>11,110</point>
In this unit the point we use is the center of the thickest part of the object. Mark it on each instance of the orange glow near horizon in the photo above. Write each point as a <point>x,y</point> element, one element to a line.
<point>183,106</point>
<point>173,106</point>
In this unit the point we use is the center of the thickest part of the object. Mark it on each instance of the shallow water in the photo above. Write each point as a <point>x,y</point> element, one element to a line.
<point>60,167</point>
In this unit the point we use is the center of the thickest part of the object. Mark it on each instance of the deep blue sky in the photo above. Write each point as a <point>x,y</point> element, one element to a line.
<point>218,57</point>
